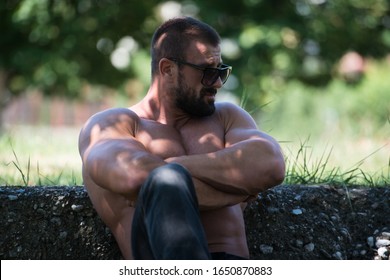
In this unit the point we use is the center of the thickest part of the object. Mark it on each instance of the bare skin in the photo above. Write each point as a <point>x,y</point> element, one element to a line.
<point>230,160</point>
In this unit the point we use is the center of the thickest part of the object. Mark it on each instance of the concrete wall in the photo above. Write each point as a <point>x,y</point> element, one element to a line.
<point>286,222</point>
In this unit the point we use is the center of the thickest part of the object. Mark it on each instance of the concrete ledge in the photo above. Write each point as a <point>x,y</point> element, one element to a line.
<point>52,223</point>
<point>286,222</point>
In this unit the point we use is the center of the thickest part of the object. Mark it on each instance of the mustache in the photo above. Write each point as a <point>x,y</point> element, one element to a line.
<point>206,91</point>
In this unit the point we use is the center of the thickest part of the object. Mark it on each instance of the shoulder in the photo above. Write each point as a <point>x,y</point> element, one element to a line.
<point>115,117</point>
<point>231,113</point>
<point>108,124</point>
<point>226,106</point>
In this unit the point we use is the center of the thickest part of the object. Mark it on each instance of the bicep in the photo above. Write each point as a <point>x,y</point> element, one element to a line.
<point>120,165</point>
<point>107,163</point>
<point>112,157</point>
<point>240,126</point>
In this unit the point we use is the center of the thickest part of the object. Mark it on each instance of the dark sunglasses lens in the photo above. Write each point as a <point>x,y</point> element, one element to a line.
<point>224,74</point>
<point>210,76</point>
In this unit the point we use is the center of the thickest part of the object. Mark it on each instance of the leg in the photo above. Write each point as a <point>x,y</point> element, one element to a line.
<point>166,222</point>
<point>225,256</point>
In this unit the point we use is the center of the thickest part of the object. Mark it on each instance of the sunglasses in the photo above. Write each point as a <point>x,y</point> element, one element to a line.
<point>210,75</point>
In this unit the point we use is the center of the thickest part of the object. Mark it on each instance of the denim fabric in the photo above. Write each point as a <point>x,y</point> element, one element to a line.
<point>225,256</point>
<point>166,223</point>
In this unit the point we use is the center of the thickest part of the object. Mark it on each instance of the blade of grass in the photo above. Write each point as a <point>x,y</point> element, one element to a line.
<point>17,164</point>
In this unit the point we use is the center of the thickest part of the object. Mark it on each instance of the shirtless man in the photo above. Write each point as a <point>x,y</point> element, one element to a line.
<point>143,165</point>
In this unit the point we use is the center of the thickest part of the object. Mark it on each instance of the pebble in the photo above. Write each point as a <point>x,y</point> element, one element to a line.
<point>298,197</point>
<point>370,241</point>
<point>63,234</point>
<point>297,211</point>
<point>334,218</point>
<point>383,253</point>
<point>386,234</point>
<point>56,221</point>
<point>299,243</point>
<point>41,211</point>
<point>273,210</point>
<point>266,249</point>
<point>324,216</point>
<point>309,247</point>
<point>382,243</point>
<point>12,197</point>
<point>345,233</point>
<point>77,208</point>
<point>338,255</point>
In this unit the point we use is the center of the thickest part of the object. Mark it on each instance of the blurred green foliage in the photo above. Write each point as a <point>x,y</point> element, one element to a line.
<point>58,46</point>
<point>338,109</point>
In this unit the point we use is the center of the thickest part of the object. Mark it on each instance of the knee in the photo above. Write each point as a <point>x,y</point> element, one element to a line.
<point>170,174</point>
<point>170,185</point>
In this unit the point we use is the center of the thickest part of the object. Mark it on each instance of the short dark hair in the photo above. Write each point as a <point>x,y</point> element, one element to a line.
<point>173,37</point>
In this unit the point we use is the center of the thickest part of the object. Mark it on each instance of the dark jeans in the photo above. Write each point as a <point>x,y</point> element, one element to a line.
<point>166,222</point>
<point>225,256</point>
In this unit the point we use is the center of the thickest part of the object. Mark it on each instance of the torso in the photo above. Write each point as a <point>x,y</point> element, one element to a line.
<point>224,227</point>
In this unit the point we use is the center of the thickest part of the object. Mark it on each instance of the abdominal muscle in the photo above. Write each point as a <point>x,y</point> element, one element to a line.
<point>225,230</point>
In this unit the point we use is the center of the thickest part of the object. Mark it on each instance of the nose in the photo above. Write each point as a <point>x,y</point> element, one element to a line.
<point>218,83</point>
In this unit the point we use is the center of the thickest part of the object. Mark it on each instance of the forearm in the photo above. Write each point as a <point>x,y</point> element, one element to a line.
<point>120,167</point>
<point>246,168</point>
<point>210,198</point>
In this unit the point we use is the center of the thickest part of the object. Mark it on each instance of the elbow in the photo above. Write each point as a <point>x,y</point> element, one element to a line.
<point>271,176</point>
<point>117,182</point>
<point>278,172</point>
<point>276,168</point>
<point>111,179</point>
<point>125,182</point>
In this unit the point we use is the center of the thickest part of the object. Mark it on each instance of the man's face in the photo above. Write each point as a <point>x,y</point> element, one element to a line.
<point>191,95</point>
<point>199,103</point>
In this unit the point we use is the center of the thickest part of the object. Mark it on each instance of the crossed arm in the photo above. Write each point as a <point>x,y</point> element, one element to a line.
<point>251,161</point>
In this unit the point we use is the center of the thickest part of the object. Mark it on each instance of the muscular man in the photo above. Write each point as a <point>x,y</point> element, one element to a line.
<point>170,175</point>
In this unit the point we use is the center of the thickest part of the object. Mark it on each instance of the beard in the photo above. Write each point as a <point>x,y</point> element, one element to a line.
<point>192,103</point>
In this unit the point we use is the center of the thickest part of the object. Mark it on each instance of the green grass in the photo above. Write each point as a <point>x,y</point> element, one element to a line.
<point>303,167</point>
<point>39,156</point>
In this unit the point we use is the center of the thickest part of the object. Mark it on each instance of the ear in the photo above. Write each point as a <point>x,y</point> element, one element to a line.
<point>167,68</point>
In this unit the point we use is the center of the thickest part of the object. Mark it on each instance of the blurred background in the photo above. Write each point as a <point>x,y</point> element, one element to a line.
<point>315,74</point>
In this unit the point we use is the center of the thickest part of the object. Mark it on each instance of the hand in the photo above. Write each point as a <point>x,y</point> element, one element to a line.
<point>172,160</point>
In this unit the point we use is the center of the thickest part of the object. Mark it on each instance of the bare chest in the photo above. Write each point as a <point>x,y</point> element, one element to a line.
<point>196,137</point>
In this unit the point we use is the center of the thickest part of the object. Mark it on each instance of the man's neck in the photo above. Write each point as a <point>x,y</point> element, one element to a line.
<point>162,109</point>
